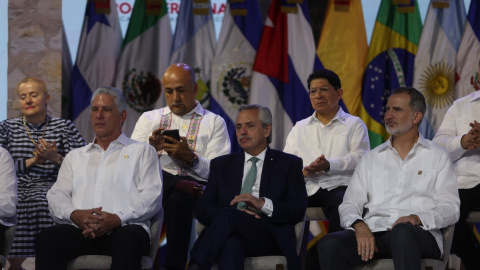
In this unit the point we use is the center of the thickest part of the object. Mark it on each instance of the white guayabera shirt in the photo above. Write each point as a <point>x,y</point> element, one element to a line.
<point>125,180</point>
<point>384,188</point>
<point>454,126</point>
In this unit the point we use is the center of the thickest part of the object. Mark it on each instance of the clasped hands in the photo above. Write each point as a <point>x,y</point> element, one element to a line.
<point>250,201</point>
<point>45,151</point>
<point>95,222</point>
<point>176,149</point>
<point>318,165</point>
<point>366,241</point>
<point>471,140</point>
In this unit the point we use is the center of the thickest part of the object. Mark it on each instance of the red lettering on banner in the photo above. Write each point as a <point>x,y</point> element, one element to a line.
<point>174,8</point>
<point>125,8</point>
<point>222,9</point>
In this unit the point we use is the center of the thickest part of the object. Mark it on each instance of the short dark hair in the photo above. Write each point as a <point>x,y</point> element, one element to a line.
<point>417,100</point>
<point>264,115</point>
<point>327,74</point>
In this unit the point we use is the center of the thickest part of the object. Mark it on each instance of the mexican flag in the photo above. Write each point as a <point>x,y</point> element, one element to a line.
<point>145,56</point>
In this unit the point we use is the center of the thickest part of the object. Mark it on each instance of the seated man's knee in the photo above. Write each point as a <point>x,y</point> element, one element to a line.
<point>179,200</point>
<point>130,239</point>
<point>329,245</point>
<point>403,234</point>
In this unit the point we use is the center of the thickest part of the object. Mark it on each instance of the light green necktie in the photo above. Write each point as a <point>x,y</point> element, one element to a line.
<point>249,181</point>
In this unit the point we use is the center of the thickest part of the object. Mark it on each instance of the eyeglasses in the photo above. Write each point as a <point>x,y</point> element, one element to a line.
<point>324,91</point>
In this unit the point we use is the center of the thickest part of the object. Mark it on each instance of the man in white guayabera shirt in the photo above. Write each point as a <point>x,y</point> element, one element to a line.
<point>8,193</point>
<point>105,194</point>
<point>460,135</point>
<point>400,196</point>
<point>330,142</point>
<point>185,162</point>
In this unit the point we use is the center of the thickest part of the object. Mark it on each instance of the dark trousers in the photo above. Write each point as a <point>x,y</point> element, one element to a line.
<point>405,243</point>
<point>2,239</point>
<point>58,244</point>
<point>178,207</point>
<point>2,234</point>
<point>464,243</point>
<point>329,201</point>
<point>231,237</point>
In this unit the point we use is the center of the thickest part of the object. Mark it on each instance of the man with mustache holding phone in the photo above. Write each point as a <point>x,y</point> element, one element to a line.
<point>185,162</point>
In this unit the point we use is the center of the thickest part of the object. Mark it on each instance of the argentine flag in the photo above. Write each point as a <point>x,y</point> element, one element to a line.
<point>434,72</point>
<point>97,55</point>
<point>232,66</point>
<point>468,54</point>
<point>285,57</point>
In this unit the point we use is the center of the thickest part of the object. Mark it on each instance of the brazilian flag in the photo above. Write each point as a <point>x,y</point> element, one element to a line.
<point>390,61</point>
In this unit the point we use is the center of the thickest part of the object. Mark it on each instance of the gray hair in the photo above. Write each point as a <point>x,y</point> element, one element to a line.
<point>120,100</point>
<point>264,115</point>
<point>417,100</point>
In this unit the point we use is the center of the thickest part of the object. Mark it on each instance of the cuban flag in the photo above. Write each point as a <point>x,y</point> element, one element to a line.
<point>468,54</point>
<point>434,73</point>
<point>194,43</point>
<point>285,57</point>
<point>98,51</point>
<point>232,66</point>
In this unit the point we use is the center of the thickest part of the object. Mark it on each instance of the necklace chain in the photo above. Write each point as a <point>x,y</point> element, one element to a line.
<point>30,136</point>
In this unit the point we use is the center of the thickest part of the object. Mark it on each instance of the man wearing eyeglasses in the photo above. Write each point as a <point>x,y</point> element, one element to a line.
<point>330,142</point>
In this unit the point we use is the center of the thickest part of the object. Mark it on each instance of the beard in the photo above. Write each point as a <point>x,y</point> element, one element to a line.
<point>399,129</point>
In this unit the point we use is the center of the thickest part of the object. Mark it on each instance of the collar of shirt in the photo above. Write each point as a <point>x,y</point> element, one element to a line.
<point>260,156</point>
<point>197,109</point>
<point>340,117</point>
<point>475,96</point>
<point>122,139</point>
<point>388,144</point>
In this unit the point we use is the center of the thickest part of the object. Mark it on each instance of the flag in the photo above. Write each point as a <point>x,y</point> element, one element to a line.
<point>436,60</point>
<point>232,66</point>
<point>144,58</point>
<point>286,56</point>
<point>66,76</point>
<point>468,54</point>
<point>343,37</point>
<point>98,51</point>
<point>389,62</point>
<point>194,43</point>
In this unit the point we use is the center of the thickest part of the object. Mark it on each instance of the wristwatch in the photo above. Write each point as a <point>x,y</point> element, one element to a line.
<point>355,222</point>
<point>193,162</point>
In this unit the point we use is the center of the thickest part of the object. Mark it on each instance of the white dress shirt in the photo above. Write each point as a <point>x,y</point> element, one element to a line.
<point>387,187</point>
<point>212,140</point>
<point>267,208</point>
<point>343,141</point>
<point>455,124</point>
<point>125,180</point>
<point>8,188</point>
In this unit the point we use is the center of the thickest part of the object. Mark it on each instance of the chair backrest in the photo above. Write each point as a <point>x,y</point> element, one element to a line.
<point>155,233</point>
<point>447,234</point>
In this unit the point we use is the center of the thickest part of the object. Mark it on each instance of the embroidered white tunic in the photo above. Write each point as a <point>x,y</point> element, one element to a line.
<point>211,140</point>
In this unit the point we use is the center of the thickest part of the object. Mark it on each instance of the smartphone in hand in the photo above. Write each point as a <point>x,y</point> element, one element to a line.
<point>171,133</point>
